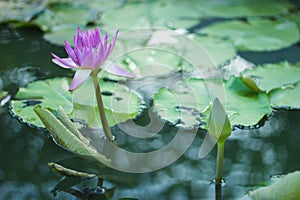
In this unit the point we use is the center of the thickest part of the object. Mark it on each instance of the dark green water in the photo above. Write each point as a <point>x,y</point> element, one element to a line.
<point>251,156</point>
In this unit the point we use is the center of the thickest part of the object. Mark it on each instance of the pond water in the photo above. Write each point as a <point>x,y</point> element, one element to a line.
<point>251,155</point>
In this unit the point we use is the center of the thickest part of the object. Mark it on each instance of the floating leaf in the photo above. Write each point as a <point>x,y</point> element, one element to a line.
<point>295,17</point>
<point>256,35</point>
<point>49,93</point>
<point>63,14</point>
<point>120,103</point>
<point>219,50</point>
<point>286,187</point>
<point>61,33</point>
<point>243,106</point>
<point>152,14</point>
<point>271,76</point>
<point>20,10</point>
<point>156,52</point>
<point>152,62</point>
<point>286,97</point>
<point>52,93</point>
<point>242,8</point>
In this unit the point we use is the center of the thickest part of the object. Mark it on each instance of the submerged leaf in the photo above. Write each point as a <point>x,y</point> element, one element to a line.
<point>255,35</point>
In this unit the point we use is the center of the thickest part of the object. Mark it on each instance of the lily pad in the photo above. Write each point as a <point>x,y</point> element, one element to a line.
<point>187,106</point>
<point>286,187</point>
<point>286,97</point>
<point>49,93</point>
<point>271,76</point>
<point>62,14</point>
<point>172,50</point>
<point>255,34</point>
<point>61,33</point>
<point>242,8</point>
<point>146,14</point>
<point>151,62</point>
<point>219,50</point>
<point>121,104</point>
<point>20,10</point>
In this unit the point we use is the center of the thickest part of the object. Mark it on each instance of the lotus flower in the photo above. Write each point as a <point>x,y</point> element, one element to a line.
<point>88,55</point>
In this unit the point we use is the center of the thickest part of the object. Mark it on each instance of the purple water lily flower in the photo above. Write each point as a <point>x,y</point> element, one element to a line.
<point>89,54</point>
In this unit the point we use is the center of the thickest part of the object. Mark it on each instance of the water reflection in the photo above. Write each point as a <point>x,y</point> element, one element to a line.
<point>21,175</point>
<point>251,156</point>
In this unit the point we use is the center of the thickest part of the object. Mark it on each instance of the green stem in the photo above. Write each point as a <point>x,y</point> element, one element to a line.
<point>102,115</point>
<point>220,157</point>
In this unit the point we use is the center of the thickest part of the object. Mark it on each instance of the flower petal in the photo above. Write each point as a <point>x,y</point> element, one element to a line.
<point>89,60</point>
<point>80,76</point>
<point>63,62</point>
<point>116,70</point>
<point>70,52</point>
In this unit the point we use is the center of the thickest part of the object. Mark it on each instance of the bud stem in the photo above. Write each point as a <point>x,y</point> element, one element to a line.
<point>220,157</point>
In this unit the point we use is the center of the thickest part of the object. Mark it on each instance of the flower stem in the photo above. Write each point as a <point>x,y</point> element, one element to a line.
<point>220,157</point>
<point>102,115</point>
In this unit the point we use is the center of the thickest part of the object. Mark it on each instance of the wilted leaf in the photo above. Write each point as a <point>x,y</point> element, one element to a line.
<point>66,138</point>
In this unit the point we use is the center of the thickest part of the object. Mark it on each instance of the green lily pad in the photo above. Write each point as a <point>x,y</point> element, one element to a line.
<point>219,50</point>
<point>295,17</point>
<point>151,62</point>
<point>152,14</point>
<point>120,103</point>
<point>187,105</point>
<point>49,93</point>
<point>156,52</point>
<point>256,35</point>
<point>52,93</point>
<point>62,14</point>
<point>61,33</point>
<point>286,97</point>
<point>20,10</point>
<point>271,76</point>
<point>286,187</point>
<point>242,8</point>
